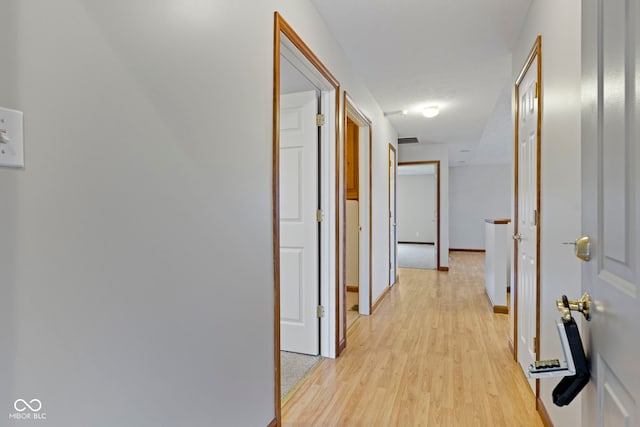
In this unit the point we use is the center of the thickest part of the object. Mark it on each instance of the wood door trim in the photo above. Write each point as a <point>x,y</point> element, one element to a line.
<point>437,163</point>
<point>395,210</point>
<point>536,52</point>
<point>352,111</point>
<point>282,27</point>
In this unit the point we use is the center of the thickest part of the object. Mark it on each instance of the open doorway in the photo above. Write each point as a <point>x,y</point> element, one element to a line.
<point>352,213</point>
<point>300,103</point>
<point>305,192</point>
<point>526,226</point>
<point>393,220</point>
<point>357,215</point>
<point>418,214</point>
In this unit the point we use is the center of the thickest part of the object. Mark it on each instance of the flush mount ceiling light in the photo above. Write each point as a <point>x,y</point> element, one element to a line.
<point>431,111</point>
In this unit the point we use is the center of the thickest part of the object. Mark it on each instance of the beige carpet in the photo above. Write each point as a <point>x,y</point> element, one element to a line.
<point>412,255</point>
<point>293,368</point>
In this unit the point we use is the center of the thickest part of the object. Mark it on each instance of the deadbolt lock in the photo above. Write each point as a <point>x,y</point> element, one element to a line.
<point>582,248</point>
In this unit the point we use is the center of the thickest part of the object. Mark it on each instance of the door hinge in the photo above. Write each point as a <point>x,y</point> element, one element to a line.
<point>536,91</point>
<point>320,311</point>
<point>535,345</point>
<point>319,215</point>
<point>320,120</point>
<point>535,217</point>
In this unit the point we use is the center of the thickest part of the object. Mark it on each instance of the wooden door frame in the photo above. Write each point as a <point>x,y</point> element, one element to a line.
<point>438,187</point>
<point>351,111</point>
<point>281,27</point>
<point>535,53</point>
<point>395,212</point>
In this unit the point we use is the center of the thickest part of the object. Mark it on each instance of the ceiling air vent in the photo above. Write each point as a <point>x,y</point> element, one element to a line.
<point>410,140</point>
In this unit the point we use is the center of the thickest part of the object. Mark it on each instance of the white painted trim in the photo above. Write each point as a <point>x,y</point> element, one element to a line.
<point>364,287</point>
<point>328,226</point>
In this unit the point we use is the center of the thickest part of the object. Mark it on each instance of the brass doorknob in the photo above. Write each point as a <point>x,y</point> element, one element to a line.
<point>583,305</point>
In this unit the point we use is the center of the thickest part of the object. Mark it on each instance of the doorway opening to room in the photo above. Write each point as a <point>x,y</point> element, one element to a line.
<point>305,196</point>
<point>418,215</point>
<point>357,216</point>
<point>526,238</point>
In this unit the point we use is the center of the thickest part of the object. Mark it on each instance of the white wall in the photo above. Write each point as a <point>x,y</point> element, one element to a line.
<point>477,193</point>
<point>416,208</point>
<point>423,152</point>
<point>147,190</point>
<point>559,25</point>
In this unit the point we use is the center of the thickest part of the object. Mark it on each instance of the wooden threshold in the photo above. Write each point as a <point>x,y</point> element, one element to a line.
<point>443,268</point>
<point>466,250</point>
<point>353,288</point>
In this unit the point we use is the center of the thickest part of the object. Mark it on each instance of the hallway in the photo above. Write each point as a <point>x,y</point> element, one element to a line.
<point>433,354</point>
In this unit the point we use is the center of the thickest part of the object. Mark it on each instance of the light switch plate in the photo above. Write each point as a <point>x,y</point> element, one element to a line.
<point>11,138</point>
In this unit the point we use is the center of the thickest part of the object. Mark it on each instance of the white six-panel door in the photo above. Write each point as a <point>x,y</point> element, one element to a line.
<point>299,324</point>
<point>611,208</point>
<point>527,227</point>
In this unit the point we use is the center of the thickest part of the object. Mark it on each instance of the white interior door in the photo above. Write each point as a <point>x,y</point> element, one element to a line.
<point>611,208</point>
<point>527,227</point>
<point>299,324</point>
<point>392,216</point>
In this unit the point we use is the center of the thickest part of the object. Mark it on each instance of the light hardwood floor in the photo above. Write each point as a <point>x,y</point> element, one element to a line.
<point>433,354</point>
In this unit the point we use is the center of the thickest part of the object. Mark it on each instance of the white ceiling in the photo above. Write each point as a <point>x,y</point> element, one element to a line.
<point>454,53</point>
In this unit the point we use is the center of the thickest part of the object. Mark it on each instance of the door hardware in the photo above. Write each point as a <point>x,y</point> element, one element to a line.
<point>518,237</point>
<point>583,305</point>
<point>582,248</point>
